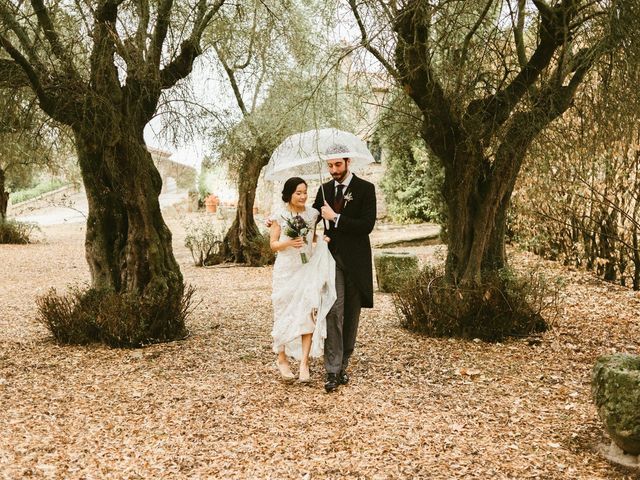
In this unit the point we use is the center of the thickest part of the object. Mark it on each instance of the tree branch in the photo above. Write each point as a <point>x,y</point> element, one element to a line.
<point>553,101</point>
<point>518,33</point>
<point>27,68</point>
<point>366,42</point>
<point>160,32</point>
<point>233,81</point>
<point>471,33</point>
<point>182,64</point>
<point>386,8</point>
<point>241,66</point>
<point>82,14</point>
<point>495,109</point>
<point>442,129</point>
<point>44,20</point>
<point>259,82</point>
<point>10,19</point>
<point>143,25</point>
<point>103,71</point>
<point>205,20</point>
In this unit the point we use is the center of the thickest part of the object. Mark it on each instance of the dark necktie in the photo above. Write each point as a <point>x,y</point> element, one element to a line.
<point>337,202</point>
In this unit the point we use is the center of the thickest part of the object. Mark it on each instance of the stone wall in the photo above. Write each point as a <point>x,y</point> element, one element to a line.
<point>54,197</point>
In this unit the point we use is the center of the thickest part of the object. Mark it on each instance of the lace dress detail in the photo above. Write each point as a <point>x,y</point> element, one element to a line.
<point>301,290</point>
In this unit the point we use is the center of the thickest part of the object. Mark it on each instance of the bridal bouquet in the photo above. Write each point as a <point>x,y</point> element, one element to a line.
<point>297,227</point>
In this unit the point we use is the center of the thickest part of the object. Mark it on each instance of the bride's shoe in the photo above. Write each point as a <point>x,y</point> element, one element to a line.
<point>285,371</point>
<point>304,376</point>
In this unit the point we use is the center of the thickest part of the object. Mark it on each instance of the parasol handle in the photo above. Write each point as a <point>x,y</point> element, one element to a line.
<point>324,199</point>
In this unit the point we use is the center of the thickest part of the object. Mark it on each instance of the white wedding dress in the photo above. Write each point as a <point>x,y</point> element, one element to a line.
<point>300,289</point>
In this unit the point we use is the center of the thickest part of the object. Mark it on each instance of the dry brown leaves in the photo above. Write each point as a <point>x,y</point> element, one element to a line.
<point>212,406</point>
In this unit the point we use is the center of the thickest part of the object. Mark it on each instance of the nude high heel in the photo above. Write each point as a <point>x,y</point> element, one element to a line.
<point>304,376</point>
<point>285,371</point>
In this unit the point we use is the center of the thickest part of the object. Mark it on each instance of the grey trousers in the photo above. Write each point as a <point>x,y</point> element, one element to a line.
<point>342,323</point>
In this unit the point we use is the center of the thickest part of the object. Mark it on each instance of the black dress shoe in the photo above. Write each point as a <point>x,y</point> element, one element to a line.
<point>343,378</point>
<point>332,382</point>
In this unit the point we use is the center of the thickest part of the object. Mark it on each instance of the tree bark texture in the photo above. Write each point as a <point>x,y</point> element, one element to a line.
<point>128,244</point>
<point>4,197</point>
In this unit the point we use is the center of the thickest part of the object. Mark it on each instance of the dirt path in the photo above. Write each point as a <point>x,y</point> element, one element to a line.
<point>212,406</point>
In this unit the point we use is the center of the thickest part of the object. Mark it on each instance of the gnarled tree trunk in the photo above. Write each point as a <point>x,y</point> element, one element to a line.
<point>128,244</point>
<point>241,242</point>
<point>476,226</point>
<point>483,147</point>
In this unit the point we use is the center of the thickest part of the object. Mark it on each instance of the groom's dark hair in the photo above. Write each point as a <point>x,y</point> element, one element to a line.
<point>289,187</point>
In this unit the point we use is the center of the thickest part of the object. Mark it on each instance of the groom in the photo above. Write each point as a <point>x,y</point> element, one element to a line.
<point>349,208</point>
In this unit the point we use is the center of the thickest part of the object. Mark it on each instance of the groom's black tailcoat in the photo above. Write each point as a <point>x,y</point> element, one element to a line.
<point>350,239</point>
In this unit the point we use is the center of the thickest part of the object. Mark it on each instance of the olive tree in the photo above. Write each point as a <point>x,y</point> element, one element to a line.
<point>277,66</point>
<point>487,78</point>
<point>100,67</point>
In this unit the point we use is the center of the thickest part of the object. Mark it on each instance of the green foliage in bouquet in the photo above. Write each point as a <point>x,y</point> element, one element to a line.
<point>295,227</point>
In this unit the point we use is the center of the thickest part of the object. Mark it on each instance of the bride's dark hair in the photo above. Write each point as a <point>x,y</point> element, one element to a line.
<point>289,187</point>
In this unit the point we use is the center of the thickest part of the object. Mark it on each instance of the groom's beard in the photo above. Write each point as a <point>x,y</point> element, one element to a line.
<point>340,177</point>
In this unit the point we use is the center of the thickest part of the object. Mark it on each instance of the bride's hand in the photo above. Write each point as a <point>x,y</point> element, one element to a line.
<point>327,239</point>
<point>296,242</point>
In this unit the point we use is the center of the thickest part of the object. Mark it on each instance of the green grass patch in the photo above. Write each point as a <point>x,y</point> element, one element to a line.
<point>41,188</point>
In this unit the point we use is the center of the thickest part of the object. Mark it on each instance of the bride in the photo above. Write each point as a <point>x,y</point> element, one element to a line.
<point>303,282</point>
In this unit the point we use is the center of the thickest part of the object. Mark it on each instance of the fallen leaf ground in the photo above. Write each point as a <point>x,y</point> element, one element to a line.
<point>212,406</point>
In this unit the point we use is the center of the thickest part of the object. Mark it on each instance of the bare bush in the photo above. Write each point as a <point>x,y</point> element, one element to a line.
<point>505,305</point>
<point>91,315</point>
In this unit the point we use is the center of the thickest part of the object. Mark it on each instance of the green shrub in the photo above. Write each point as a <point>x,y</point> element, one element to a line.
<point>116,319</point>
<point>505,305</point>
<point>12,231</point>
<point>393,269</point>
<point>204,241</point>
<point>203,188</point>
<point>413,178</point>
<point>412,186</point>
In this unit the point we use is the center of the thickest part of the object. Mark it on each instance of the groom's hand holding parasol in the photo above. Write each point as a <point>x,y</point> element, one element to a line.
<point>327,212</point>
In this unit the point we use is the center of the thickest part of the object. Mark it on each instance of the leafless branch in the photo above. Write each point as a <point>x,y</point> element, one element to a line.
<point>232,80</point>
<point>12,74</point>
<point>241,66</point>
<point>365,41</point>
<point>143,24</point>
<point>467,40</point>
<point>518,32</point>
<point>9,18</point>
<point>206,19</point>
